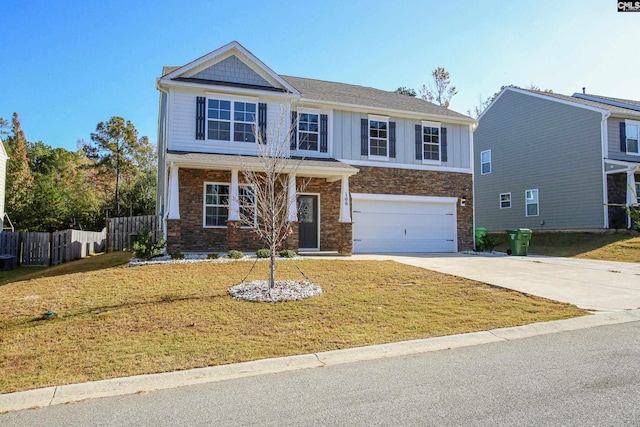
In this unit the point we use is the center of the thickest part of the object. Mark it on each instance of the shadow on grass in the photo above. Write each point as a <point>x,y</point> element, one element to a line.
<point>93,263</point>
<point>566,244</point>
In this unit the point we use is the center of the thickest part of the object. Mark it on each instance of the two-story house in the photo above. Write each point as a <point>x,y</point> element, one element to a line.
<point>556,162</point>
<point>385,172</point>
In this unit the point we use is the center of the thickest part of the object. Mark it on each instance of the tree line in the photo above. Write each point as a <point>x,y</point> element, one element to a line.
<point>51,189</point>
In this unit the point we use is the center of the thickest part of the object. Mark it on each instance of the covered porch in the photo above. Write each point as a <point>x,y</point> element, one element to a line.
<point>623,191</point>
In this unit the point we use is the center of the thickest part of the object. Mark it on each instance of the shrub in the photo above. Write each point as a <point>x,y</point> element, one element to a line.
<point>235,254</point>
<point>287,253</point>
<point>177,255</point>
<point>213,256</point>
<point>487,243</point>
<point>145,247</point>
<point>263,253</point>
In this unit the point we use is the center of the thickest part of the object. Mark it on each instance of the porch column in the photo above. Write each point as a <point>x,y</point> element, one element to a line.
<point>632,197</point>
<point>173,210</point>
<point>234,197</point>
<point>291,199</point>
<point>345,204</point>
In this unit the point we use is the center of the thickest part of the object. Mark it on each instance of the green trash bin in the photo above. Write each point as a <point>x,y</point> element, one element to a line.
<point>519,241</point>
<point>481,233</point>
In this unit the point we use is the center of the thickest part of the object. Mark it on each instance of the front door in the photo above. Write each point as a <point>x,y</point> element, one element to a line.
<point>308,222</point>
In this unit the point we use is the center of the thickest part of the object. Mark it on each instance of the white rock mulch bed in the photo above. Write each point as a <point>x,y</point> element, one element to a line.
<point>492,253</point>
<point>194,258</point>
<point>283,290</point>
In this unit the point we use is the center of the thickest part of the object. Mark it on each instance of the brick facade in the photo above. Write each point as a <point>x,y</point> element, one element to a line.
<point>377,180</point>
<point>617,194</point>
<point>189,235</point>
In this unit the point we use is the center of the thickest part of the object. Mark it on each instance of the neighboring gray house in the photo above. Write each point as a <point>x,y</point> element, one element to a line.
<point>386,172</point>
<point>547,161</point>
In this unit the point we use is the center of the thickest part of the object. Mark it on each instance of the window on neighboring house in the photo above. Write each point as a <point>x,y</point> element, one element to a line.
<point>485,162</point>
<point>531,201</point>
<point>220,121</point>
<point>216,204</point>
<point>505,201</point>
<point>632,131</point>
<point>430,141</point>
<point>378,138</point>
<point>308,131</point>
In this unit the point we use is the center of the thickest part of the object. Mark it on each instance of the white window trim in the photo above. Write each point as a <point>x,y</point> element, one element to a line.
<point>233,100</point>
<point>500,200</point>
<point>318,113</point>
<point>377,119</point>
<point>433,125</point>
<point>482,172</point>
<point>526,202</point>
<point>632,123</point>
<point>204,205</point>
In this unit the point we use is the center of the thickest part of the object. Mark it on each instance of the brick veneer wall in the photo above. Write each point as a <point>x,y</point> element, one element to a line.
<point>617,194</point>
<point>377,180</point>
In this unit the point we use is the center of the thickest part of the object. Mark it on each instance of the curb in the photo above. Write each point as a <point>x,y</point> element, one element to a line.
<point>142,383</point>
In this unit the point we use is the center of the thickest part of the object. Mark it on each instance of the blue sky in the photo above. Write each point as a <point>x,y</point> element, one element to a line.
<point>67,65</point>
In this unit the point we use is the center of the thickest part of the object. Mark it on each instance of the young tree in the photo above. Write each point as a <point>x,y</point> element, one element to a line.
<point>269,182</point>
<point>19,180</point>
<point>114,146</point>
<point>3,126</point>
<point>441,92</point>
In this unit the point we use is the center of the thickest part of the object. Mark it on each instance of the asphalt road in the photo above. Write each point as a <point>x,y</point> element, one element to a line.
<point>589,377</point>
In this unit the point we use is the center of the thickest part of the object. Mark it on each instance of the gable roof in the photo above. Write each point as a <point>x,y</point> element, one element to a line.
<point>616,102</point>
<point>573,100</point>
<point>317,91</point>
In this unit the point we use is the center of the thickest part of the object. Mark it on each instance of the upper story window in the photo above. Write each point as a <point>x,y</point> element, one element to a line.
<point>485,162</point>
<point>505,201</point>
<point>308,131</point>
<point>632,132</point>
<point>430,142</point>
<point>531,202</point>
<point>216,204</point>
<point>378,138</point>
<point>221,123</point>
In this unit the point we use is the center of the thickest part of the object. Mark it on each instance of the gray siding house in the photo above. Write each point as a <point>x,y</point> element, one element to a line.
<point>385,172</point>
<point>547,161</point>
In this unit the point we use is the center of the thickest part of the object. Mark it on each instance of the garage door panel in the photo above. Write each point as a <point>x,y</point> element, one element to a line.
<point>399,226</point>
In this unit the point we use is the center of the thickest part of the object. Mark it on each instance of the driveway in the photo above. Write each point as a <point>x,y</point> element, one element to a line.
<point>592,285</point>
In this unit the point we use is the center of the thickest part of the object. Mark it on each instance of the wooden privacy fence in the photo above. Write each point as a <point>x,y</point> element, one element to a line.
<point>123,231</point>
<point>43,249</point>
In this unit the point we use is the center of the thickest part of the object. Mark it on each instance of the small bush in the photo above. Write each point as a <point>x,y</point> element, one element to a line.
<point>213,256</point>
<point>234,254</point>
<point>287,253</point>
<point>263,253</point>
<point>490,242</point>
<point>177,255</point>
<point>145,247</point>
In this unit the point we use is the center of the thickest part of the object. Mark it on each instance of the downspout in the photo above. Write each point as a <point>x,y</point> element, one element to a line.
<point>605,154</point>
<point>472,128</point>
<point>162,146</point>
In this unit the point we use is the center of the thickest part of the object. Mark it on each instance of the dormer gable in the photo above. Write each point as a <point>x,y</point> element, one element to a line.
<point>231,65</point>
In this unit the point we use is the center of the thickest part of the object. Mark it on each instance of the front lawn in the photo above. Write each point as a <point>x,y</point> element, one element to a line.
<point>122,321</point>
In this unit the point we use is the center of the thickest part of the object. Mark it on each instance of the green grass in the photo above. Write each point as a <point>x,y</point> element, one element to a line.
<point>604,246</point>
<point>120,321</point>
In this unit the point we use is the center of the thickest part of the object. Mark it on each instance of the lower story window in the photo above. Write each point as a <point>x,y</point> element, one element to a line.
<point>216,205</point>
<point>531,201</point>
<point>505,201</point>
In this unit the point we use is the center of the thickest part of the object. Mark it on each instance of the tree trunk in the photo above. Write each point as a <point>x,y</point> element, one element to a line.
<point>272,269</point>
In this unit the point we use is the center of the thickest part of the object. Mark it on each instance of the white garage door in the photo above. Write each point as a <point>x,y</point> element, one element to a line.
<point>384,223</point>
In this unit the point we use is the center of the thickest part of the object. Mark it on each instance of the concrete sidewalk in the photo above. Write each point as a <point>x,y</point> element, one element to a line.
<point>144,383</point>
<point>588,284</point>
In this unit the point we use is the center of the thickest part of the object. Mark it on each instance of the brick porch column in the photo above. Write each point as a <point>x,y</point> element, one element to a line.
<point>234,239</point>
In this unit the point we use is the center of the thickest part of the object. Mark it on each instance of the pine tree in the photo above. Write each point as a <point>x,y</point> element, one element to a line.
<point>19,181</point>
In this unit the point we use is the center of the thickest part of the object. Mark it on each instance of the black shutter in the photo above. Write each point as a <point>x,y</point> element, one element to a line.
<point>262,122</point>
<point>392,140</point>
<point>418,142</point>
<point>200,114</point>
<point>364,137</point>
<point>443,144</point>
<point>294,130</point>
<point>323,133</point>
<point>623,137</point>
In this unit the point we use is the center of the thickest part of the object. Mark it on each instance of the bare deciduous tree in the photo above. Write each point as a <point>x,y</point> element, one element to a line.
<point>266,202</point>
<point>442,92</point>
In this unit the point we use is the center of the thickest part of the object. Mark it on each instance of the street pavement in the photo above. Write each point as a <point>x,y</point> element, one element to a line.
<point>586,377</point>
